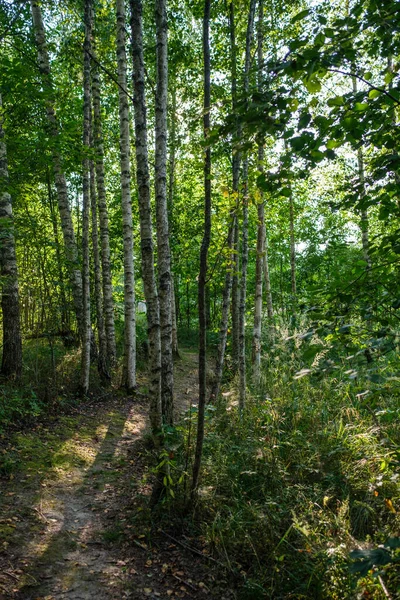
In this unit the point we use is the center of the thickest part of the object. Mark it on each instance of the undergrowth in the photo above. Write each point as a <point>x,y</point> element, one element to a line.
<point>309,473</point>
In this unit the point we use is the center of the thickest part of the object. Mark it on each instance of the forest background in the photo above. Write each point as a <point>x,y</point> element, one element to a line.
<point>232,166</point>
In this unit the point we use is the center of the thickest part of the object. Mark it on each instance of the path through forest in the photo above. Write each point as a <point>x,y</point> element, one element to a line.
<point>73,522</point>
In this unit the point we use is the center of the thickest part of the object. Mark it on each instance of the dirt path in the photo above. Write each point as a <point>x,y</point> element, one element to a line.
<point>74,522</point>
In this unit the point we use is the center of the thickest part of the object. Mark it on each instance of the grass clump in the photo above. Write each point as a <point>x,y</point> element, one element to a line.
<point>307,474</point>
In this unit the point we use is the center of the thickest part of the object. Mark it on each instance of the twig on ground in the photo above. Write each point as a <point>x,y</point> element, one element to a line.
<point>195,551</point>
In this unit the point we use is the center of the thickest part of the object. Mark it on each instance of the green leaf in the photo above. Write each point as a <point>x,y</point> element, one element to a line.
<point>312,84</point>
<point>286,191</point>
<point>331,144</point>
<point>374,94</point>
<point>301,15</point>
<point>360,106</point>
<point>336,101</point>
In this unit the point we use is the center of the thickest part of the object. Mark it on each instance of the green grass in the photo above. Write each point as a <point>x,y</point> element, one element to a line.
<point>309,472</point>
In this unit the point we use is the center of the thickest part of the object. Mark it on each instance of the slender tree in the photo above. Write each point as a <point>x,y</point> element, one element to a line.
<point>204,251</point>
<point>171,193</point>
<point>364,221</point>
<point>98,143</point>
<point>268,292</point>
<point>11,364</point>
<point>256,354</point>
<point>86,328</point>
<point>129,368</point>
<point>245,233</point>
<point>236,160</point>
<point>146,226</point>
<point>98,292</point>
<point>163,249</point>
<point>59,175</point>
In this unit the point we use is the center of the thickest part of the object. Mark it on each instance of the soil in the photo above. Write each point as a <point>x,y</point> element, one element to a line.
<point>74,516</point>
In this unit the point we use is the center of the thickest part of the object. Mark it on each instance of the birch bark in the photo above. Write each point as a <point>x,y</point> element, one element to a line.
<point>245,226</point>
<point>129,366</point>
<point>236,159</point>
<point>59,175</point>
<point>86,328</point>
<point>164,253</point>
<point>256,354</point>
<point>203,253</point>
<point>11,365</point>
<point>364,222</point>
<point>98,143</point>
<point>146,227</point>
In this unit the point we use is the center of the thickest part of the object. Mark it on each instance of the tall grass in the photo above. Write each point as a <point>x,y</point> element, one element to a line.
<point>308,473</point>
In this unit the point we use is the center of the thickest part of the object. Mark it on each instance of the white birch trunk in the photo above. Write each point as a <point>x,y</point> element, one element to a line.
<point>85,362</point>
<point>59,175</point>
<point>164,253</point>
<point>364,222</point>
<point>98,292</point>
<point>268,293</point>
<point>146,227</point>
<point>245,227</point>
<point>129,366</point>
<point>108,303</point>
<point>258,300</point>
<point>11,365</point>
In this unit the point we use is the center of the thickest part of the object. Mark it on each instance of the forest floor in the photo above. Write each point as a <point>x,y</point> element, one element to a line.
<point>74,522</point>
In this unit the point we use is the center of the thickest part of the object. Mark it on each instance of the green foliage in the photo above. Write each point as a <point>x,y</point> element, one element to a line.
<point>311,467</point>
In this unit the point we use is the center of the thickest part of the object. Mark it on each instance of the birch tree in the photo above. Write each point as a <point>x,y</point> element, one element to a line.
<point>204,252</point>
<point>245,233</point>
<point>231,275</point>
<point>129,366</point>
<point>108,303</point>
<point>59,175</point>
<point>86,328</point>
<point>256,354</point>
<point>146,226</point>
<point>11,365</point>
<point>163,249</point>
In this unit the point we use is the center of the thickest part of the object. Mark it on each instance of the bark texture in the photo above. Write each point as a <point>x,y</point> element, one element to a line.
<point>245,226</point>
<point>364,221</point>
<point>108,303</point>
<point>11,364</point>
<point>268,292</point>
<point>86,328</point>
<point>129,366</point>
<point>258,300</point>
<point>164,253</point>
<point>146,227</point>
<point>59,175</point>
<point>98,292</point>
<point>236,159</point>
<point>204,252</point>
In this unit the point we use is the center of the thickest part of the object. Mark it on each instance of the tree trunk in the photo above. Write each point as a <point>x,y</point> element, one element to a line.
<point>245,226</point>
<point>223,328</point>
<point>292,252</point>
<point>146,227</point>
<point>62,297</point>
<point>236,158</point>
<point>203,253</point>
<point>11,365</point>
<point>103,218</point>
<point>364,222</point>
<point>164,254</point>
<point>98,292</point>
<point>129,366</point>
<point>171,192</point>
<point>256,354</point>
<point>59,175</point>
<point>85,362</point>
<point>270,308</point>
